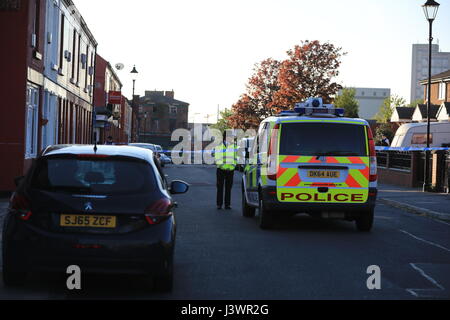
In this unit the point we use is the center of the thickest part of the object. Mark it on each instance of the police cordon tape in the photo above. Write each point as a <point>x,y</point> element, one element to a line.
<point>410,149</point>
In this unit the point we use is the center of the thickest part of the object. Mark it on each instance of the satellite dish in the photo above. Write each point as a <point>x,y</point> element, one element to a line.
<point>120,66</point>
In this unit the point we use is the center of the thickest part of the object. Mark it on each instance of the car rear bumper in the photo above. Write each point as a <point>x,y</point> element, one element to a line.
<point>144,252</point>
<point>269,196</point>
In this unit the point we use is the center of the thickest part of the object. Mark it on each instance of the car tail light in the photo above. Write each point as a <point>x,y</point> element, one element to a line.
<point>158,211</point>
<point>373,157</point>
<point>272,154</point>
<point>22,206</point>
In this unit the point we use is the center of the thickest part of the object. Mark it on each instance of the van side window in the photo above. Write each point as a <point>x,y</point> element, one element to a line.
<point>421,138</point>
<point>263,139</point>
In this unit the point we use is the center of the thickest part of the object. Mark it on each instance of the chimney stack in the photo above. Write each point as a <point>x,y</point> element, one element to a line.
<point>170,94</point>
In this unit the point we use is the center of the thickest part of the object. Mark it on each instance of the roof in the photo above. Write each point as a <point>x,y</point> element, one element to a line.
<point>162,100</point>
<point>433,110</point>
<point>288,119</point>
<point>406,127</point>
<point>405,112</point>
<point>438,77</point>
<point>126,151</point>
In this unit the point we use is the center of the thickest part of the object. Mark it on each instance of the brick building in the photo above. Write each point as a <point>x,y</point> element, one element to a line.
<point>47,63</point>
<point>108,113</point>
<point>160,114</point>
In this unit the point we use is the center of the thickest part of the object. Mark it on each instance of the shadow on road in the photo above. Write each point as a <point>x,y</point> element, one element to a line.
<point>306,223</point>
<point>51,286</point>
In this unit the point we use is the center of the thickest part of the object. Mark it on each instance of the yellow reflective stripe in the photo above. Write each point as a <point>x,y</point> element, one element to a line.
<point>323,121</point>
<point>360,178</point>
<point>286,177</point>
<point>343,160</point>
<point>367,141</point>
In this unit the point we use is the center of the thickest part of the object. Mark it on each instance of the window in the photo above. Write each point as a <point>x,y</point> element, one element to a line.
<point>442,91</point>
<point>173,110</point>
<point>35,40</point>
<point>155,125</point>
<point>86,71</point>
<point>74,47</point>
<point>421,138</point>
<point>155,109</point>
<point>32,111</point>
<point>109,176</point>
<point>61,44</point>
<point>78,59</point>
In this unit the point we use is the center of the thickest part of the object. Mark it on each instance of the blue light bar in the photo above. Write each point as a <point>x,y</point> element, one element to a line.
<point>288,113</point>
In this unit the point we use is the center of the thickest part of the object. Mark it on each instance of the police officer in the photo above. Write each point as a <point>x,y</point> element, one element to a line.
<point>225,156</point>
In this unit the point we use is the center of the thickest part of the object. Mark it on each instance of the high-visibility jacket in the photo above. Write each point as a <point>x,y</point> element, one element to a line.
<point>226,157</point>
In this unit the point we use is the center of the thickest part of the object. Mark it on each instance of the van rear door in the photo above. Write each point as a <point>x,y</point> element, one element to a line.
<point>323,162</point>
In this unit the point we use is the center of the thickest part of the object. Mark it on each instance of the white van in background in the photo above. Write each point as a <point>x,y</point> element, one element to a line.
<point>415,135</point>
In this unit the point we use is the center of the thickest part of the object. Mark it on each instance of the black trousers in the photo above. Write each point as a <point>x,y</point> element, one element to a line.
<point>224,178</point>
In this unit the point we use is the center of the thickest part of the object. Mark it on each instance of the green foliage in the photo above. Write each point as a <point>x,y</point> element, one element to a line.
<point>388,107</point>
<point>346,100</point>
<point>415,103</point>
<point>223,123</point>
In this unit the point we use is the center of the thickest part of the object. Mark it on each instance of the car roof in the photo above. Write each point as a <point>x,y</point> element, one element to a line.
<point>285,119</point>
<point>108,150</point>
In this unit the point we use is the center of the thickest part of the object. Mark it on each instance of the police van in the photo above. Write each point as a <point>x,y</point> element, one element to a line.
<point>312,160</point>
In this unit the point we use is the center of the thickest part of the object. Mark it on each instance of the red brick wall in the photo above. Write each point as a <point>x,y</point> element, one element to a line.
<point>15,54</point>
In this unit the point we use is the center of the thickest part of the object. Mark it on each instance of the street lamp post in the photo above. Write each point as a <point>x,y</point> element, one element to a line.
<point>134,75</point>
<point>430,9</point>
<point>145,126</point>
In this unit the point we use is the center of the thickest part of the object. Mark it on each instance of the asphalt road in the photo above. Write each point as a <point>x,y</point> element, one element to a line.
<point>221,255</point>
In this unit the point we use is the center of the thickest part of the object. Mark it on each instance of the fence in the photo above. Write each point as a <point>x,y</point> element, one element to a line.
<point>406,167</point>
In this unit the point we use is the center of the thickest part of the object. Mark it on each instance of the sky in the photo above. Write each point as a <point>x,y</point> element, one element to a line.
<point>205,50</point>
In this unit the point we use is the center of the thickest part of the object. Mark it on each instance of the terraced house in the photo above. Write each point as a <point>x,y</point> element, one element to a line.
<point>47,81</point>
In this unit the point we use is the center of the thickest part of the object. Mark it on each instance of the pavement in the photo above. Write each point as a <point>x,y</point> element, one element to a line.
<point>432,205</point>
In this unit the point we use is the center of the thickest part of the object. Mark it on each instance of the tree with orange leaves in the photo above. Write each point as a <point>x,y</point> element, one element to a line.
<point>274,86</point>
<point>309,72</point>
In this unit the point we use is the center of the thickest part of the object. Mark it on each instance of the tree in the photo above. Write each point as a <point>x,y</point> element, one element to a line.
<point>384,115</point>
<point>262,86</point>
<point>308,72</point>
<point>346,100</point>
<point>245,114</point>
<point>224,122</point>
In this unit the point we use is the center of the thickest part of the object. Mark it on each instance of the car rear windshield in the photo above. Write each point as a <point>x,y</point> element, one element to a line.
<point>323,139</point>
<point>108,176</point>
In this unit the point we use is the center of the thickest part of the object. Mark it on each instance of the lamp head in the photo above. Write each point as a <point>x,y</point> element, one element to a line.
<point>430,8</point>
<point>134,73</point>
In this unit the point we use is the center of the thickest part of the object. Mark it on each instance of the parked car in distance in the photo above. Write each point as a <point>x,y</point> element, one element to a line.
<point>105,209</point>
<point>148,146</point>
<point>165,159</point>
<point>415,135</point>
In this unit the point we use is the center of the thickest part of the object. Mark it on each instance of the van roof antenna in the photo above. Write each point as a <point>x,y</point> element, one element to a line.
<point>95,142</point>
